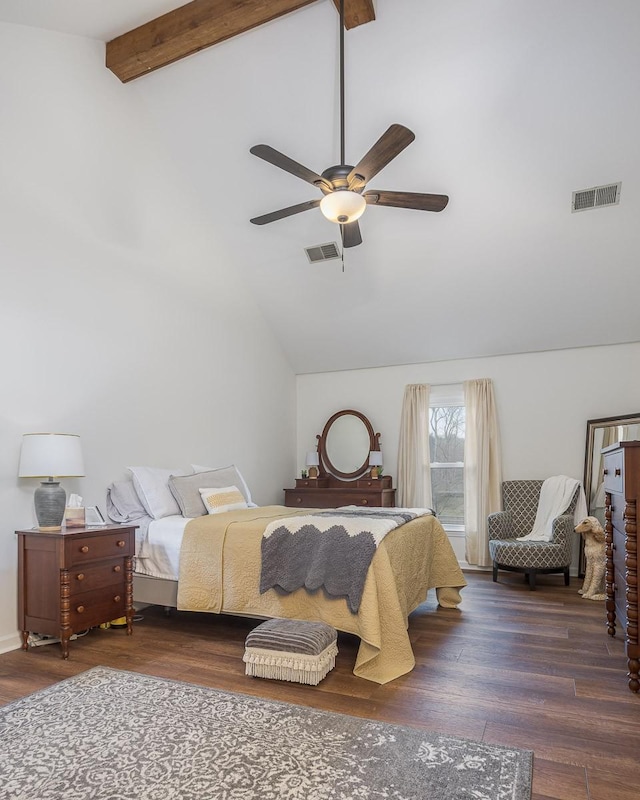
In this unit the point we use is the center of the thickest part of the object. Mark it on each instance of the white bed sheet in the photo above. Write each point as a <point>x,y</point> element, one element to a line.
<point>158,555</point>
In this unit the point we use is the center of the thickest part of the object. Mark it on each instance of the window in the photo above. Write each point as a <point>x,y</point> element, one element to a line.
<point>446,451</point>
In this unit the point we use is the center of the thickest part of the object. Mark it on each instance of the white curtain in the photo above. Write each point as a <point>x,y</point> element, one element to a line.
<point>482,468</point>
<point>414,473</point>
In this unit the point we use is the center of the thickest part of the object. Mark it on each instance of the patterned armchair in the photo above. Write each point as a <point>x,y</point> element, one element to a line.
<point>520,501</point>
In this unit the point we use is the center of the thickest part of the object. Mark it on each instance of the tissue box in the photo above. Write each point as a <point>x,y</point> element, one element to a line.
<point>74,517</point>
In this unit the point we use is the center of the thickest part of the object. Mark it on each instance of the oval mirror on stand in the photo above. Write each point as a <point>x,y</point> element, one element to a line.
<point>345,443</point>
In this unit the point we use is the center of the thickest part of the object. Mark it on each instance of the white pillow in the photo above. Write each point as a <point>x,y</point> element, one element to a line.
<point>234,478</point>
<point>152,487</point>
<point>229,498</point>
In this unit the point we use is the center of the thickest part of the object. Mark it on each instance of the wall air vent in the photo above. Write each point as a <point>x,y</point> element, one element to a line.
<point>596,197</point>
<point>322,252</point>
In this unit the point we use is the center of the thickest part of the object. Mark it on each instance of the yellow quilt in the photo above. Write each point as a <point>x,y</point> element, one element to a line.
<point>220,564</point>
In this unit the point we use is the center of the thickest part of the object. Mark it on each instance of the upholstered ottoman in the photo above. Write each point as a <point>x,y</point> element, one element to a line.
<point>291,650</point>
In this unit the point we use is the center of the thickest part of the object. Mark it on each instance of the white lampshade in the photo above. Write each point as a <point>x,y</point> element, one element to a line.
<point>313,459</point>
<point>343,206</point>
<point>50,455</point>
<point>375,458</point>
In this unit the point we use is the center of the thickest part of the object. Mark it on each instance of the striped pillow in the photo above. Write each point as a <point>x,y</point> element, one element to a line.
<point>228,498</point>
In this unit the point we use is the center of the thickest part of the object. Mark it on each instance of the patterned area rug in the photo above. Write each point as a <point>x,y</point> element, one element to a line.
<point>118,735</point>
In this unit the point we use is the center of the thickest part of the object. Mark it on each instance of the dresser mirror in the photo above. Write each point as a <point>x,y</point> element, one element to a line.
<point>602,433</point>
<point>345,443</point>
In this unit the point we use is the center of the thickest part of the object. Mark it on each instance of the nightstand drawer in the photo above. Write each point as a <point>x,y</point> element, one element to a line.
<point>89,609</point>
<point>88,578</point>
<point>92,548</point>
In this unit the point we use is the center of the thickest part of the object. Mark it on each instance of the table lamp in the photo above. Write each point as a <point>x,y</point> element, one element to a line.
<point>51,456</point>
<point>313,462</point>
<point>375,462</point>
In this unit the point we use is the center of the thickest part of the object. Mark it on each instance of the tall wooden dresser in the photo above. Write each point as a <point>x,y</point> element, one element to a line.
<point>622,487</point>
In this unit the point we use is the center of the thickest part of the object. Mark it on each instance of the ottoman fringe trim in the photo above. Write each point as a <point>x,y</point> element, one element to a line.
<point>295,667</point>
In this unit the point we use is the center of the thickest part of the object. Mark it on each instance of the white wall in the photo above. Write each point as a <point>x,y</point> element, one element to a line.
<point>108,328</point>
<point>544,401</point>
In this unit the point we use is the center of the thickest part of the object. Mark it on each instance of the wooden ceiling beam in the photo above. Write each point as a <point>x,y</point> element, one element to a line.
<point>356,12</point>
<point>188,29</point>
<point>201,24</point>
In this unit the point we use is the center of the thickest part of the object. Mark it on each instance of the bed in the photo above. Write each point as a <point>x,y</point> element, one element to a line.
<point>212,564</point>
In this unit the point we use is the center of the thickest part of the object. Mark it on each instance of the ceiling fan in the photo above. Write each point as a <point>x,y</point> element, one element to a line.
<point>343,185</point>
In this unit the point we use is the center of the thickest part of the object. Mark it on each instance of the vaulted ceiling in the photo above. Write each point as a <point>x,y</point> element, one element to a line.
<point>514,105</point>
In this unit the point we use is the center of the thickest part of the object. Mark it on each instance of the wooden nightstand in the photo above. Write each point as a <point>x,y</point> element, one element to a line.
<point>75,579</point>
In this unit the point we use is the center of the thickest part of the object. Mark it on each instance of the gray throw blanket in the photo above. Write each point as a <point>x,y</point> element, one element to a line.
<point>329,549</point>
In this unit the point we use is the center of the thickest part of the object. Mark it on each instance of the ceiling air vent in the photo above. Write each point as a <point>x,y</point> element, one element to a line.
<point>322,252</point>
<point>596,197</point>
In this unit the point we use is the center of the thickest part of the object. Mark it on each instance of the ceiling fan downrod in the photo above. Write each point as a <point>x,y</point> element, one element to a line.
<point>344,204</point>
<point>342,147</point>
<point>343,186</point>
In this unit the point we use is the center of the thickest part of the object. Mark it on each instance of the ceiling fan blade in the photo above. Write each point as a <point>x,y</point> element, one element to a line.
<point>278,159</point>
<point>285,212</point>
<point>389,145</point>
<point>421,202</point>
<point>351,236</point>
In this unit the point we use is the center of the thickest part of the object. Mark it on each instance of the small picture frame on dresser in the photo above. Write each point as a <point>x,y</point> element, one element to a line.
<point>93,517</point>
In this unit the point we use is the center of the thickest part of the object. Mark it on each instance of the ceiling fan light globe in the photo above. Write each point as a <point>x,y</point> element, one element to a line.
<point>343,206</point>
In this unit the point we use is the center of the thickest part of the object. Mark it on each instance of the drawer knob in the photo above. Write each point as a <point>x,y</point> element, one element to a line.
<point>117,568</point>
<point>80,576</point>
<point>116,599</point>
<point>80,609</point>
<point>84,548</point>
<point>365,501</point>
<point>121,543</point>
<point>618,472</point>
<point>298,499</point>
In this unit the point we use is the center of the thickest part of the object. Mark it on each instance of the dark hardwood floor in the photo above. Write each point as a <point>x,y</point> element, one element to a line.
<point>535,670</point>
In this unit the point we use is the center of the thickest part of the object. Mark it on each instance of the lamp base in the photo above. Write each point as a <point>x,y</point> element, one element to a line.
<point>50,501</point>
<point>313,473</point>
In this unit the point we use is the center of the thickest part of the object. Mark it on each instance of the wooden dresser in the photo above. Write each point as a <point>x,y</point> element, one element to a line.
<point>72,580</point>
<point>331,493</point>
<point>622,487</point>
